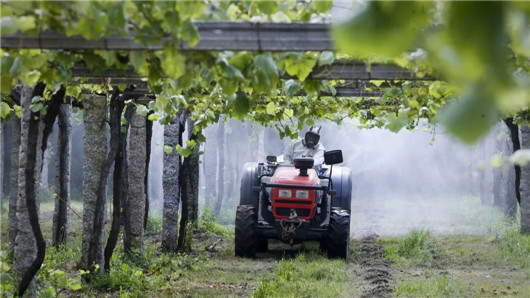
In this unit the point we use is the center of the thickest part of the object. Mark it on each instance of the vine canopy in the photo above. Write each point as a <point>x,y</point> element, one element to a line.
<point>479,51</point>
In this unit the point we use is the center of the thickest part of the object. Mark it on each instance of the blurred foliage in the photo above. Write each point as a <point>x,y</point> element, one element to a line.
<point>481,49</point>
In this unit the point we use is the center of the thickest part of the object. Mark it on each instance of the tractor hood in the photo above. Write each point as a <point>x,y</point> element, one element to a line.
<point>291,176</point>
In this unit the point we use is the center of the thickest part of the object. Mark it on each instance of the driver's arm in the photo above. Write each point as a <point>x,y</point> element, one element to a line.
<point>288,154</point>
<point>319,155</point>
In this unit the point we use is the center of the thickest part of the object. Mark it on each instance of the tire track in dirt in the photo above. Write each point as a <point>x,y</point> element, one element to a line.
<point>375,270</point>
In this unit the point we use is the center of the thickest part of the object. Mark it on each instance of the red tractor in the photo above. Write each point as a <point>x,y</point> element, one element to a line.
<point>294,204</point>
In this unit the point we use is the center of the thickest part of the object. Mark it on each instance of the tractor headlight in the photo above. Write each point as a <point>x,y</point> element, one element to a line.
<point>302,194</point>
<point>285,193</point>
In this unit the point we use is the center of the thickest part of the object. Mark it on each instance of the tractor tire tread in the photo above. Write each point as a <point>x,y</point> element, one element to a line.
<point>339,235</point>
<point>245,234</point>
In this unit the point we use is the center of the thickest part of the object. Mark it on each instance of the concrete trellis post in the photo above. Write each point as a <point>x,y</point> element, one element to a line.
<point>95,149</point>
<point>137,158</point>
<point>171,188</point>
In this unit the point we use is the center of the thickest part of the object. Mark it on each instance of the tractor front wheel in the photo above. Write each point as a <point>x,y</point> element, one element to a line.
<point>245,234</point>
<point>338,244</point>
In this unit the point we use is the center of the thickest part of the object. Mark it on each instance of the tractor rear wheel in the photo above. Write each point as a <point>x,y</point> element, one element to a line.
<point>249,179</point>
<point>245,234</point>
<point>339,234</point>
<point>342,184</point>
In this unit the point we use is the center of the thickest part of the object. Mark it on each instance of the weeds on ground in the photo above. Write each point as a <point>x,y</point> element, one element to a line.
<point>462,265</point>
<point>514,247</point>
<point>227,216</point>
<point>208,222</point>
<point>143,274</point>
<point>154,225</point>
<point>303,275</point>
<point>7,283</point>
<point>417,247</point>
<point>434,284</point>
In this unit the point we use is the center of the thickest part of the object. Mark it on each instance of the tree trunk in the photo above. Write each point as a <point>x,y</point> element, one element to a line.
<point>210,166</point>
<point>192,178</point>
<point>485,187</point>
<point>95,149</point>
<point>120,190</point>
<point>29,244</point>
<point>507,201</point>
<point>189,187</point>
<point>136,195</point>
<point>15,156</point>
<point>6,142</point>
<point>509,204</point>
<point>148,137</point>
<point>52,110</point>
<point>525,183</point>
<point>62,181</point>
<point>236,168</point>
<point>499,145</point>
<point>514,135</point>
<point>2,134</point>
<point>261,142</point>
<point>221,166</point>
<point>171,164</point>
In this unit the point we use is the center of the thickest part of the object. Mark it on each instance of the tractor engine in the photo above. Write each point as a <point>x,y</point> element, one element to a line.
<point>295,202</point>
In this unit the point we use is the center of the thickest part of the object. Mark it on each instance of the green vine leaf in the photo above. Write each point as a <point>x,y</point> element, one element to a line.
<point>184,152</point>
<point>301,67</point>
<point>172,62</point>
<point>385,28</point>
<point>242,104</point>
<point>16,68</point>
<point>266,6</point>
<point>265,74</point>
<point>292,87</point>
<point>137,59</point>
<point>153,117</point>
<point>271,108</point>
<point>26,23</point>
<point>190,33</point>
<point>472,116</point>
<point>326,58</point>
<point>5,110</point>
<point>8,25</point>
<point>168,149</point>
<point>142,110</point>
<point>190,9</point>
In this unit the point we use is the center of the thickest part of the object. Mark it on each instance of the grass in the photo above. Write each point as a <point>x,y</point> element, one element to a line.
<point>417,246</point>
<point>306,275</point>
<point>209,270</point>
<point>434,284</point>
<point>496,263</point>
<point>208,222</point>
<point>424,265</point>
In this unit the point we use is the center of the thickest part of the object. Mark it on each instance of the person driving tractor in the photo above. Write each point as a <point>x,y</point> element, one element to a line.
<point>309,146</point>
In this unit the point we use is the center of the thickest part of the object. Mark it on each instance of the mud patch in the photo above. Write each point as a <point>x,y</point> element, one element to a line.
<point>375,269</point>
